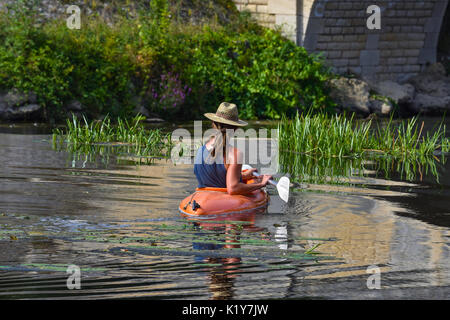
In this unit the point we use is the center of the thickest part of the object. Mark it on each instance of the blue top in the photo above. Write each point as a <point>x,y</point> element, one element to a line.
<point>209,173</point>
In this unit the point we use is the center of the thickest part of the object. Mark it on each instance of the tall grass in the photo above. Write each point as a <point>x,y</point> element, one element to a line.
<point>339,136</point>
<point>130,137</point>
<point>446,145</point>
<point>330,149</point>
<point>334,136</point>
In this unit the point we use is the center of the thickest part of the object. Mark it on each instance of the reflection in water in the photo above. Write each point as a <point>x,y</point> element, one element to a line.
<point>322,170</point>
<point>119,223</point>
<point>370,231</point>
<point>222,274</point>
<point>221,278</point>
<point>224,270</point>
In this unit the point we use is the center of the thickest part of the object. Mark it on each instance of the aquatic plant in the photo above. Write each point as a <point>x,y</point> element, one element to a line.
<point>130,136</point>
<point>340,136</point>
<point>331,149</point>
<point>446,145</point>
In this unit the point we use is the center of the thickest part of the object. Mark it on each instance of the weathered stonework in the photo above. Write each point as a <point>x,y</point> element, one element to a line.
<point>259,9</point>
<point>271,13</point>
<point>405,44</point>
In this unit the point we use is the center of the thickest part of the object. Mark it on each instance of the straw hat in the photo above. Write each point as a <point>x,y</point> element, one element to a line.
<point>226,113</point>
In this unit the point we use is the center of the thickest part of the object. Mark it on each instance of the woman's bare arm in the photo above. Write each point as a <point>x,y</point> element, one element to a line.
<point>234,184</point>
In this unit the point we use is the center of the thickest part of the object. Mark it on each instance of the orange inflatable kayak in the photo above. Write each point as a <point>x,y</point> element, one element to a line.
<point>209,202</point>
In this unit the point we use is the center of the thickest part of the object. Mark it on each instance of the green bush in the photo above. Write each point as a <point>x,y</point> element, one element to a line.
<point>102,77</point>
<point>111,68</point>
<point>29,63</point>
<point>263,73</point>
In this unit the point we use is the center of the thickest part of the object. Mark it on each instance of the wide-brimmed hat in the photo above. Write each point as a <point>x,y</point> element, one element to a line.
<point>227,113</point>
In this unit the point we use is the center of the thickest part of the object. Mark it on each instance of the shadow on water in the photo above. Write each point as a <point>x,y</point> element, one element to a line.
<point>118,222</point>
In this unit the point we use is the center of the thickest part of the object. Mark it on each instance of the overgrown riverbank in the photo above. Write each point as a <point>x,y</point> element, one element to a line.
<point>154,64</point>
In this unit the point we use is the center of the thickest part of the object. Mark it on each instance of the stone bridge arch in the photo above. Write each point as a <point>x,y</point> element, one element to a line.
<point>405,44</point>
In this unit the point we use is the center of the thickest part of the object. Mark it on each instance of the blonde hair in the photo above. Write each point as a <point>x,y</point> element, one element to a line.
<point>220,140</point>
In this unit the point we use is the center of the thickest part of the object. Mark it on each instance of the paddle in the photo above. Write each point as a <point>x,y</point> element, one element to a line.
<point>282,185</point>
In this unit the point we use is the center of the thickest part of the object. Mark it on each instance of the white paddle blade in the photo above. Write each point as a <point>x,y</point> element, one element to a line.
<point>283,188</point>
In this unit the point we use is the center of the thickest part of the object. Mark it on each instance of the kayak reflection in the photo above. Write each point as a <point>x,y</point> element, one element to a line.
<point>223,270</point>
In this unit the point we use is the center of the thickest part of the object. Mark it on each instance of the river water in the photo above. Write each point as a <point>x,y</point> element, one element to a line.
<point>119,223</point>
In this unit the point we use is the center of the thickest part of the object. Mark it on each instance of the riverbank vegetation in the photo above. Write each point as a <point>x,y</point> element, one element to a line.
<point>161,61</point>
<point>126,137</point>
<point>149,60</point>
<point>341,137</point>
<point>330,149</point>
<point>312,148</point>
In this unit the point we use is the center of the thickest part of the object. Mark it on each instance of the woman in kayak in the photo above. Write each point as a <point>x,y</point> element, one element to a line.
<point>218,164</point>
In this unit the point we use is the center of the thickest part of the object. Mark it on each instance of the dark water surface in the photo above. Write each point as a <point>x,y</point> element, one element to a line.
<point>119,223</point>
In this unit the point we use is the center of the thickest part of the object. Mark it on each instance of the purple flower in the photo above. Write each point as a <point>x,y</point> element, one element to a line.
<point>170,90</point>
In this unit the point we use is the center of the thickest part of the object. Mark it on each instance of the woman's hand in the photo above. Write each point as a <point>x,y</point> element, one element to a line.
<point>262,179</point>
<point>265,179</point>
<point>248,174</point>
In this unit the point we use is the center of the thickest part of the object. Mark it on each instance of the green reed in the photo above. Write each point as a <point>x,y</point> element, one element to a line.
<point>339,136</point>
<point>331,149</point>
<point>446,145</point>
<point>96,137</point>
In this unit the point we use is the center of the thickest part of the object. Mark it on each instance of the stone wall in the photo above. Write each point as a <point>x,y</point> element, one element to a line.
<point>259,9</point>
<point>270,13</point>
<point>405,44</point>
